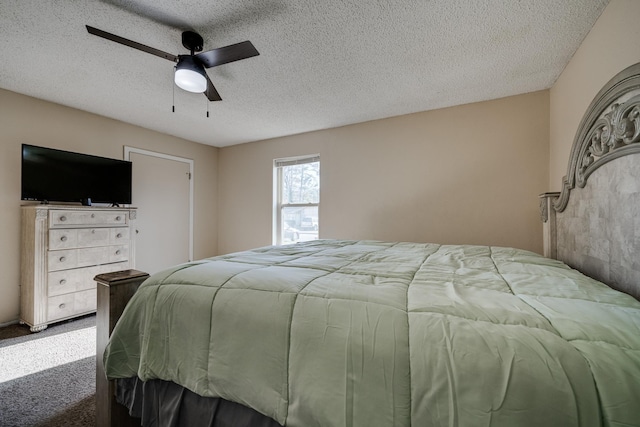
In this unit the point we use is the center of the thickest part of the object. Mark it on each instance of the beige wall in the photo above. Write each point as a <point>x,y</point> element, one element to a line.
<point>31,121</point>
<point>467,174</point>
<point>612,45</point>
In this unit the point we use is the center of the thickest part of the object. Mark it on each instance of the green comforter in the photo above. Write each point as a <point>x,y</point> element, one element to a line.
<point>363,333</point>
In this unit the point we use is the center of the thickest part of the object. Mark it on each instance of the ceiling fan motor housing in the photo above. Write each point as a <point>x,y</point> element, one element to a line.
<point>192,41</point>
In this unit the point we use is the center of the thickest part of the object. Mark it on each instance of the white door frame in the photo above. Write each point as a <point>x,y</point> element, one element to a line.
<point>127,156</point>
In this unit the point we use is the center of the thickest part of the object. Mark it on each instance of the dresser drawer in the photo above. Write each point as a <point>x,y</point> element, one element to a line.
<point>66,238</point>
<point>62,259</point>
<point>118,253</point>
<point>89,237</point>
<point>79,279</point>
<point>93,256</point>
<point>119,236</point>
<point>63,239</point>
<point>85,257</point>
<point>68,305</point>
<point>99,218</point>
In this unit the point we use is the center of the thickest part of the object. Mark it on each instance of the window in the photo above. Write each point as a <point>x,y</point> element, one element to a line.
<point>297,199</point>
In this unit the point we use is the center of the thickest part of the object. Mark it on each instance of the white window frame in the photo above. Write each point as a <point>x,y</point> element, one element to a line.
<point>278,206</point>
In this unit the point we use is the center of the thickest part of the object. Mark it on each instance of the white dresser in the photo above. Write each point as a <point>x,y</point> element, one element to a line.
<point>63,249</point>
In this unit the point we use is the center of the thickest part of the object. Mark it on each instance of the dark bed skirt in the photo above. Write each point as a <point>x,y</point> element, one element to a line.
<point>165,404</point>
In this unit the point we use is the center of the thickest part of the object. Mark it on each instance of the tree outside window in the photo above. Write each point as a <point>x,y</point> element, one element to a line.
<point>297,199</point>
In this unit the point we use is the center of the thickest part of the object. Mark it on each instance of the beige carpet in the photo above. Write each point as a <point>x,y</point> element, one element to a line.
<point>48,378</point>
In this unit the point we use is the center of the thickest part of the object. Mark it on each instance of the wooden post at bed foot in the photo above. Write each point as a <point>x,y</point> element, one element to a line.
<point>114,291</point>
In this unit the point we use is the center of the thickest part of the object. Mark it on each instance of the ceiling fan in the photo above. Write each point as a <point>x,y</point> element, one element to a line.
<point>190,73</point>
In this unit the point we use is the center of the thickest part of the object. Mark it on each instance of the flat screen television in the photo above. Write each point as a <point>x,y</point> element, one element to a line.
<point>51,175</point>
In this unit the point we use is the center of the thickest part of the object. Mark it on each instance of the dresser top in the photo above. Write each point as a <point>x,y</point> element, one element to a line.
<point>77,207</point>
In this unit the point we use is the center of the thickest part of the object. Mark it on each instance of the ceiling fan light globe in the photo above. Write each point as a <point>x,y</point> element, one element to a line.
<point>190,75</point>
<point>190,80</point>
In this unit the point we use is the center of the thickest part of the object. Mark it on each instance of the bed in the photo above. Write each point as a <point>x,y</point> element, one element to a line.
<point>368,333</point>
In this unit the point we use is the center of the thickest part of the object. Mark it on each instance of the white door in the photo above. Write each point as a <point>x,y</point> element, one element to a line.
<point>161,192</point>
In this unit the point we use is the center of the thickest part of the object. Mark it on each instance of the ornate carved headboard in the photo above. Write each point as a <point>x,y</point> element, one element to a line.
<point>593,224</point>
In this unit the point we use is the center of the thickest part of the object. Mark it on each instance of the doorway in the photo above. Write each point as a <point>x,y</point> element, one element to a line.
<point>162,190</point>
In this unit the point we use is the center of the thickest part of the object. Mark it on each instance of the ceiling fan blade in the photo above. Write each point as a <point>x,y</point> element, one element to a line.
<point>131,43</point>
<point>211,93</point>
<point>224,55</point>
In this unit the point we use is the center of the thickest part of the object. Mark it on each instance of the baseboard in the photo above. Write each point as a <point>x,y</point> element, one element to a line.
<point>13,322</point>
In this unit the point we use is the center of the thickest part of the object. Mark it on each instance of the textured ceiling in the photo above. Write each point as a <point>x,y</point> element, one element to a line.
<point>322,64</point>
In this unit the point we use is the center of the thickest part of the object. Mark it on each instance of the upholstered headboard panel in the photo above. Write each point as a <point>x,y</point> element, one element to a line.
<point>593,225</point>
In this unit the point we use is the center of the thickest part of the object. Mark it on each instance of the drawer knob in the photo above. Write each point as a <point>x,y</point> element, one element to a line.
<point>93,231</point>
<point>63,218</point>
<point>93,215</point>
<point>63,259</point>
<point>63,238</point>
<point>118,218</point>
<point>119,235</point>
<point>61,306</point>
<point>118,252</point>
<point>63,281</point>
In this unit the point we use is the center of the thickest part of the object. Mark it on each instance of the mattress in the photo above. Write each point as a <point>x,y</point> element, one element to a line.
<point>368,333</point>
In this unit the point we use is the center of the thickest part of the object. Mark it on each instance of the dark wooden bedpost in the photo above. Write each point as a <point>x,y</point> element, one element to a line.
<point>114,291</point>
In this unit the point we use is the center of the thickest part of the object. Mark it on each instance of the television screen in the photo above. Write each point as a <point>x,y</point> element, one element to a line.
<point>63,176</point>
